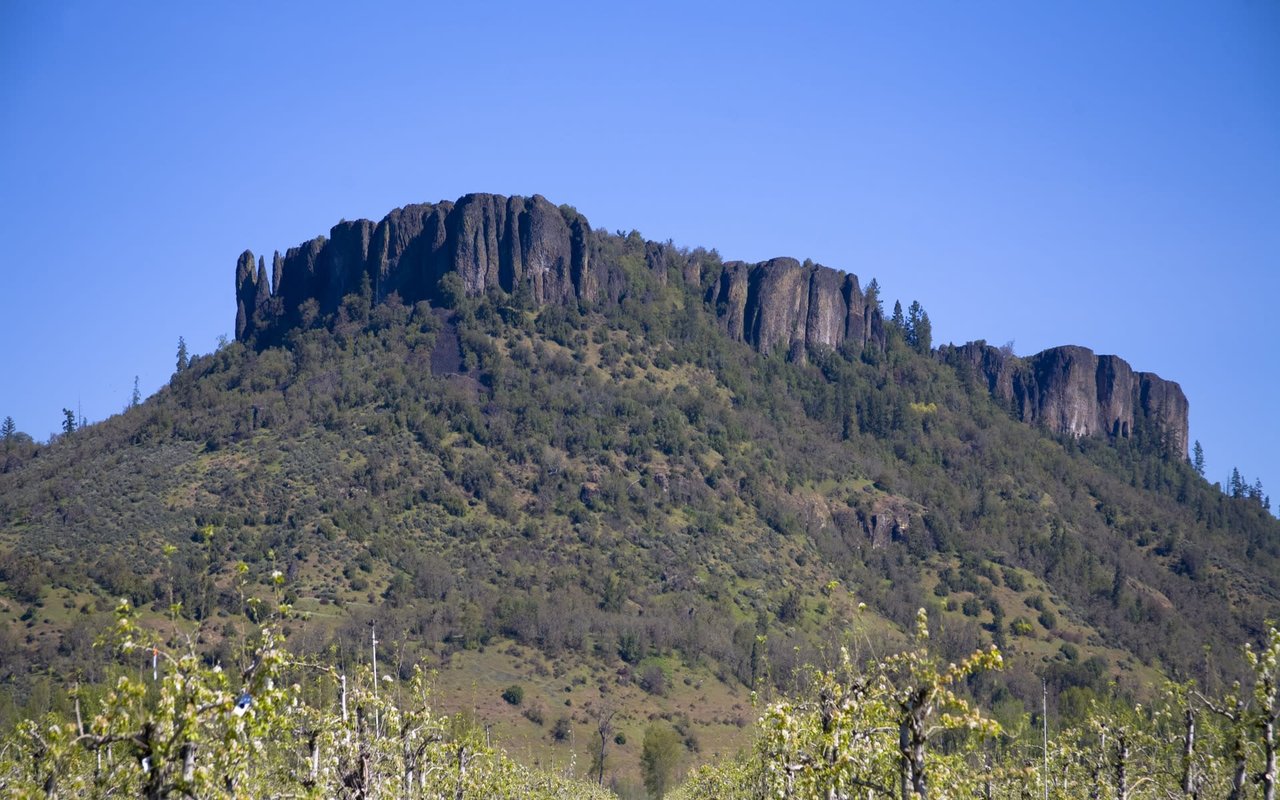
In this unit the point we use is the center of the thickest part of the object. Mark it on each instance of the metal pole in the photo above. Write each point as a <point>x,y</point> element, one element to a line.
<point>377,727</point>
<point>1044,726</point>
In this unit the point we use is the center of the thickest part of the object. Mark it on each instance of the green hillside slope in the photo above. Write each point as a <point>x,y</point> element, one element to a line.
<point>616,506</point>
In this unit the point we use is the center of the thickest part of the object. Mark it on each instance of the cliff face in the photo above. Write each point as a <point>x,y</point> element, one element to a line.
<point>489,240</point>
<point>783,305</point>
<point>527,244</point>
<point>1071,391</point>
<point>505,243</point>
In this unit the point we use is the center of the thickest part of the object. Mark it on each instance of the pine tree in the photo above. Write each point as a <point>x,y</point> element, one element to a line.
<point>873,295</point>
<point>68,421</point>
<point>136,397</point>
<point>1197,459</point>
<point>7,431</point>
<point>919,330</point>
<point>183,362</point>
<point>898,321</point>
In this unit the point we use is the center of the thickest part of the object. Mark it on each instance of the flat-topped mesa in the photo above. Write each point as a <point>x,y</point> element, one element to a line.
<point>1073,392</point>
<point>489,240</point>
<point>505,243</point>
<point>552,256</point>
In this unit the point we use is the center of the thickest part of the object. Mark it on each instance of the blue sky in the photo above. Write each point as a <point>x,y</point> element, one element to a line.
<point>1103,174</point>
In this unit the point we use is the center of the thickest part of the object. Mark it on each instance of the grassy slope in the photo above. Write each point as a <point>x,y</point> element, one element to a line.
<point>597,495</point>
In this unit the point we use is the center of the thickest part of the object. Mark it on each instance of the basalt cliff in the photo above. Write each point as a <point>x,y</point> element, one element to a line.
<point>551,255</point>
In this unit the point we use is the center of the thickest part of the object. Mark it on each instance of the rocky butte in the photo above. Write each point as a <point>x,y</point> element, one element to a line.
<point>527,244</point>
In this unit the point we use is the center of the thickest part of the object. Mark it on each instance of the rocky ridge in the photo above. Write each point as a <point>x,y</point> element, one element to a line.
<point>528,245</point>
<point>1074,392</point>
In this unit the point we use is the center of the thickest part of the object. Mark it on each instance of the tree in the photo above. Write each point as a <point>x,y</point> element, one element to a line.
<point>919,330</point>
<point>873,295</point>
<point>604,729</point>
<point>927,705</point>
<point>136,397</point>
<point>68,421</point>
<point>7,431</point>
<point>183,362</point>
<point>1266,697</point>
<point>659,757</point>
<point>1197,459</point>
<point>898,321</point>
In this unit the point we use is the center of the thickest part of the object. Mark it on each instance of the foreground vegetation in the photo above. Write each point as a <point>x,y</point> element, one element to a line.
<point>897,727</point>
<point>275,727</point>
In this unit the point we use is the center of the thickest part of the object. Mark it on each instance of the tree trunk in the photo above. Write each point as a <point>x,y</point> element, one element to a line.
<point>912,743</point>
<point>188,764</point>
<point>1239,773</point>
<point>462,772</point>
<point>1269,774</point>
<point>1122,767</point>
<point>1188,751</point>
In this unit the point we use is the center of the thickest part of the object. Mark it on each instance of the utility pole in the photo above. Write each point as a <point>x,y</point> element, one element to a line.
<point>377,727</point>
<point>1044,727</point>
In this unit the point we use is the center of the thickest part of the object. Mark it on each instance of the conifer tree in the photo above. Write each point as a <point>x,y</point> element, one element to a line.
<point>873,295</point>
<point>183,361</point>
<point>919,329</point>
<point>1197,459</point>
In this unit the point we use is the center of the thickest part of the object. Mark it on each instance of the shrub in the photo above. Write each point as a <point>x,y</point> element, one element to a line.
<point>653,679</point>
<point>562,728</point>
<point>514,694</point>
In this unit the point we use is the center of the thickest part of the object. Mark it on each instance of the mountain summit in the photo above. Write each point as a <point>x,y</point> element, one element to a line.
<point>552,256</point>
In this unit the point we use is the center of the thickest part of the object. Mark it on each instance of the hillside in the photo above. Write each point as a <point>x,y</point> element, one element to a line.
<point>626,476</point>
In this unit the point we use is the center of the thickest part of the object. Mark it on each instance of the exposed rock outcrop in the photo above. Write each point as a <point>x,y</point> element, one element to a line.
<point>782,304</point>
<point>1073,392</point>
<point>511,243</point>
<point>490,241</point>
<point>551,256</point>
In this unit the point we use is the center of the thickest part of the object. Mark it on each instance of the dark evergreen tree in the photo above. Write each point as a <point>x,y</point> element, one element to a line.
<point>898,321</point>
<point>919,330</point>
<point>1197,459</point>
<point>136,397</point>
<point>7,431</point>
<point>182,354</point>
<point>68,421</point>
<point>873,295</point>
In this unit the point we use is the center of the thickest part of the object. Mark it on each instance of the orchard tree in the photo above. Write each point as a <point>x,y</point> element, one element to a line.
<point>1265,714</point>
<point>926,703</point>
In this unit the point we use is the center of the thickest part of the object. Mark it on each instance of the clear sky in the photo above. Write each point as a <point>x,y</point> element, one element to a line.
<point>1103,174</point>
